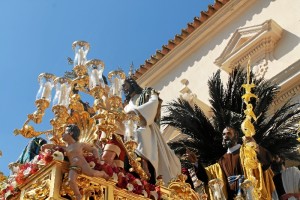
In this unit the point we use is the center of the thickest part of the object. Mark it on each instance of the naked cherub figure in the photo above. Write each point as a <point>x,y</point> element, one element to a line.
<point>78,164</point>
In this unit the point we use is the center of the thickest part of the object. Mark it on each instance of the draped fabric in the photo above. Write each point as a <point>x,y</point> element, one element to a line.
<point>215,171</point>
<point>291,181</point>
<point>151,144</point>
<point>31,150</point>
<point>231,166</point>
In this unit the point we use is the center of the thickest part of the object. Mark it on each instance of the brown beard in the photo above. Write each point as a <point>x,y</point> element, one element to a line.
<point>228,143</point>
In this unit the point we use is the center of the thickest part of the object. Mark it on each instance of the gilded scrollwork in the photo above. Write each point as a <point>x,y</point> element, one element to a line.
<point>39,189</point>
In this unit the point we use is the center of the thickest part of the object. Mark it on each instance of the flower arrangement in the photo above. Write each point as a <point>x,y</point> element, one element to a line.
<point>21,172</point>
<point>123,179</point>
<point>126,180</point>
<point>10,186</point>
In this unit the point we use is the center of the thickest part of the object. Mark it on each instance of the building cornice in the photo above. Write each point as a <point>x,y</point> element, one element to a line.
<point>197,38</point>
<point>288,80</point>
<point>255,42</point>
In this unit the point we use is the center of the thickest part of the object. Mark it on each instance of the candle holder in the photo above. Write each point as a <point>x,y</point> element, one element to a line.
<point>248,189</point>
<point>63,89</point>
<point>96,82</point>
<point>182,190</point>
<point>42,102</point>
<point>60,108</point>
<point>60,118</point>
<point>81,48</point>
<point>43,97</point>
<point>216,186</point>
<point>116,78</point>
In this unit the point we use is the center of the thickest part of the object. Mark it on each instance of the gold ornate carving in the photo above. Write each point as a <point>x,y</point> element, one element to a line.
<point>51,181</point>
<point>182,190</point>
<point>38,190</point>
<point>248,149</point>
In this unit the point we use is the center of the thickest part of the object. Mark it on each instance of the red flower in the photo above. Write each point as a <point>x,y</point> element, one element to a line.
<point>116,169</point>
<point>138,189</point>
<point>40,157</point>
<point>185,171</point>
<point>59,149</point>
<point>34,168</point>
<point>48,158</point>
<point>20,179</point>
<point>108,169</point>
<point>122,181</point>
<point>130,177</point>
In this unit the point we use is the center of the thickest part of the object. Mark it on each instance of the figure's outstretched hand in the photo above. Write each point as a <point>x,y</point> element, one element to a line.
<point>191,156</point>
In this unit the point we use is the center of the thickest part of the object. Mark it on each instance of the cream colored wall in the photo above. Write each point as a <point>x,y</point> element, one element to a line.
<point>286,14</point>
<point>194,58</point>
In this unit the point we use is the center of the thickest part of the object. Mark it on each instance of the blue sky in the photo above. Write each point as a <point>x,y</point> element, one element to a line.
<point>36,37</point>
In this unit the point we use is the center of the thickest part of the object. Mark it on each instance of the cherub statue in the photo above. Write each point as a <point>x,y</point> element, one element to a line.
<point>75,153</point>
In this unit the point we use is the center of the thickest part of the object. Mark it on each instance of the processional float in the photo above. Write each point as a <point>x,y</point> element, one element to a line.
<point>98,125</point>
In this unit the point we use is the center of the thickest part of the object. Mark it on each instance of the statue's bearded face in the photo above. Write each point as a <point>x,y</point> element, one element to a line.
<point>127,89</point>
<point>229,137</point>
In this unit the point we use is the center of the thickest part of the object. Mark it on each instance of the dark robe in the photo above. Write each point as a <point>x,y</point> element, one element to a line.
<point>231,166</point>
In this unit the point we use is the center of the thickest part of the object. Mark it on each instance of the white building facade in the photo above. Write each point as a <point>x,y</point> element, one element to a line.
<point>228,34</point>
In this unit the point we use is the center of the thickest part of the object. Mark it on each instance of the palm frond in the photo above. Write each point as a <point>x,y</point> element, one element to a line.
<point>276,132</point>
<point>190,120</point>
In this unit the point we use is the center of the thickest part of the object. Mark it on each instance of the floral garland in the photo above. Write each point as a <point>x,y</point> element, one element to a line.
<point>124,180</point>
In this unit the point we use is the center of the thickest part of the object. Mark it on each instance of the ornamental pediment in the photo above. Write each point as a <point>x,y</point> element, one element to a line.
<point>257,42</point>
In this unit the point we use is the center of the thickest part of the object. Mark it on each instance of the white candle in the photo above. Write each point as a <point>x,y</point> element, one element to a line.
<point>63,93</point>
<point>129,129</point>
<point>46,90</point>
<point>95,79</point>
<point>116,87</point>
<point>218,194</point>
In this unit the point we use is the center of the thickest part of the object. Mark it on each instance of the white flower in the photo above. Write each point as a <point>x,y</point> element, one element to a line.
<point>121,174</point>
<point>57,155</point>
<point>7,194</point>
<point>41,162</point>
<point>26,172</point>
<point>14,184</point>
<point>154,194</point>
<point>35,159</point>
<point>101,162</point>
<point>138,182</point>
<point>47,151</point>
<point>130,187</point>
<point>145,193</point>
<point>115,177</point>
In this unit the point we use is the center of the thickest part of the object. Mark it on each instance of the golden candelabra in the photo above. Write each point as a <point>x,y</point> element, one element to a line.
<point>251,185</point>
<point>102,118</point>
